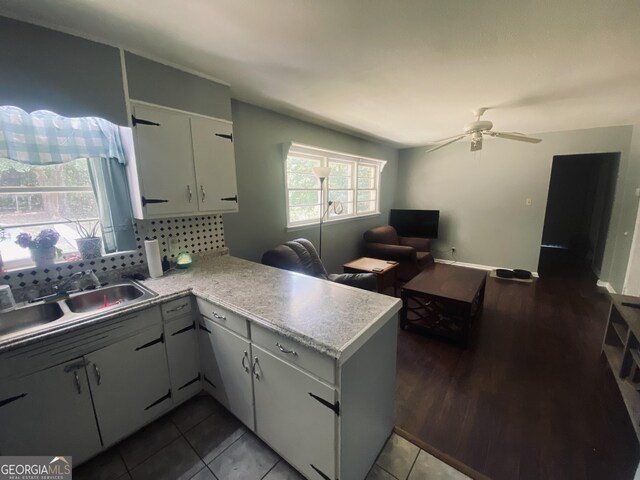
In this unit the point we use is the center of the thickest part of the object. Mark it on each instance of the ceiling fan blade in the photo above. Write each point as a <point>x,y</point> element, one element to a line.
<point>449,138</point>
<point>455,139</point>
<point>513,136</point>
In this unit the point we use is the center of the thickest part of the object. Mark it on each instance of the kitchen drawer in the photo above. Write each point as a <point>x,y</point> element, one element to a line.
<point>176,308</point>
<point>292,352</point>
<point>224,317</point>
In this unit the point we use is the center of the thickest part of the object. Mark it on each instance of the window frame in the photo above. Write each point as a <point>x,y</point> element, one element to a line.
<point>325,157</point>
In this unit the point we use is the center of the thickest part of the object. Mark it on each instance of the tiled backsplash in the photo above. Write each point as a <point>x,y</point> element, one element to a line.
<point>197,234</point>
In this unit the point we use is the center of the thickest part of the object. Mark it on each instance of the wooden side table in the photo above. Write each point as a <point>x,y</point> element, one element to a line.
<point>385,271</point>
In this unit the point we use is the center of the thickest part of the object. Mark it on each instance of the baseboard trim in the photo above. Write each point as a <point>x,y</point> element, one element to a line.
<point>606,285</point>
<point>458,465</point>
<point>474,265</point>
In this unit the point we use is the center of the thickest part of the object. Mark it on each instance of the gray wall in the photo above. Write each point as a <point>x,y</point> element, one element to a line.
<point>43,69</point>
<point>482,196</point>
<point>153,82</point>
<point>261,222</point>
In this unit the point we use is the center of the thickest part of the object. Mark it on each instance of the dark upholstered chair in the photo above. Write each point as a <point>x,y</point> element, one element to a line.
<point>412,254</point>
<point>300,256</point>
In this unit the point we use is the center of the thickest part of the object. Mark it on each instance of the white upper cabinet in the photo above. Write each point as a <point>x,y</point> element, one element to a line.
<point>215,164</point>
<point>184,164</point>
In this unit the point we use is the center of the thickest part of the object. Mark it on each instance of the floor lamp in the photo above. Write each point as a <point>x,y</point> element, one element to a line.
<point>322,173</point>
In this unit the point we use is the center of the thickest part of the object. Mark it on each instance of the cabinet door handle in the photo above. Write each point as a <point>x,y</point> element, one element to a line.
<point>254,368</point>
<point>78,385</point>
<point>97,370</point>
<point>178,308</point>
<point>219,317</point>
<point>202,191</point>
<point>286,350</point>
<point>190,193</point>
<point>244,365</point>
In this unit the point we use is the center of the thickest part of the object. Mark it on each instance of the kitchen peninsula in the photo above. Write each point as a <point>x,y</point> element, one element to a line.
<point>307,364</point>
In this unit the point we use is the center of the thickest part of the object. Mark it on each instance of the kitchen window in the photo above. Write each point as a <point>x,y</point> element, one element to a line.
<point>61,174</point>
<point>353,186</point>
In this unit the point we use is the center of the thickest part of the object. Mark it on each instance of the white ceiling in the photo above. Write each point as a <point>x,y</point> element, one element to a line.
<point>407,71</point>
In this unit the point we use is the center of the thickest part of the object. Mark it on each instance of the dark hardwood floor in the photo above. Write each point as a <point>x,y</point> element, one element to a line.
<point>532,398</point>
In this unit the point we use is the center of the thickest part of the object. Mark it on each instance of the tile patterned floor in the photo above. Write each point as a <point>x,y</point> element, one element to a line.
<point>200,440</point>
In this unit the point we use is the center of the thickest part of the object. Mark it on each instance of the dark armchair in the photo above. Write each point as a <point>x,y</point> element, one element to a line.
<point>300,256</point>
<point>412,254</point>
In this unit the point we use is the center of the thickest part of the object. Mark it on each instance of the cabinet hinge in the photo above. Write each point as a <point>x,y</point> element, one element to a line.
<point>230,199</point>
<point>228,136</point>
<point>9,400</point>
<point>320,472</point>
<point>160,339</point>
<point>202,327</point>
<point>152,200</point>
<point>190,382</point>
<point>135,121</point>
<point>160,400</point>
<point>333,406</point>
<point>185,329</point>
<point>209,381</point>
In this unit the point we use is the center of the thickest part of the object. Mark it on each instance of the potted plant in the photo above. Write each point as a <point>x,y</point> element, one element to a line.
<point>42,247</point>
<point>89,244</point>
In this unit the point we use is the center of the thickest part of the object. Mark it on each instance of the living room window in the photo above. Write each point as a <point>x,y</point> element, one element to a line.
<point>353,186</point>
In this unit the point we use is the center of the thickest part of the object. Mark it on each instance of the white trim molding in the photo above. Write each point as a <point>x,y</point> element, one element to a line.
<point>606,285</point>
<point>474,265</point>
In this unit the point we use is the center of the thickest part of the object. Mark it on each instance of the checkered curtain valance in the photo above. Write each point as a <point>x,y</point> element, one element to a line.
<point>45,138</point>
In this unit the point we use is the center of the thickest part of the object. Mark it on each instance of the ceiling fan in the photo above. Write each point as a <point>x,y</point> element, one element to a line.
<point>476,130</point>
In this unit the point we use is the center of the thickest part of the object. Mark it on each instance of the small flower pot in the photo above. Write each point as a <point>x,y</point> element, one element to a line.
<point>43,257</point>
<point>90,247</point>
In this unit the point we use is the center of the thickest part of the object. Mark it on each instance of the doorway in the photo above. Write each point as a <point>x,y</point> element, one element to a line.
<point>579,205</point>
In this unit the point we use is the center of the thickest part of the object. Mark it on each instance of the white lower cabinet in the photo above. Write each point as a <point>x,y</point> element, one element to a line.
<point>116,381</point>
<point>295,414</point>
<point>49,413</point>
<point>225,360</point>
<point>182,354</point>
<point>129,384</point>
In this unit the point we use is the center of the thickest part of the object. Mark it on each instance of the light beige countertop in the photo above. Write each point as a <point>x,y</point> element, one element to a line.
<point>323,315</point>
<point>328,317</point>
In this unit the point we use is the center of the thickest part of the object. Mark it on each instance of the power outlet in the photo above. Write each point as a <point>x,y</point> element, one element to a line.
<point>173,245</point>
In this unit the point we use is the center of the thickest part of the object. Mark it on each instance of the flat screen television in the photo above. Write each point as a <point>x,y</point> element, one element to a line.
<point>415,223</point>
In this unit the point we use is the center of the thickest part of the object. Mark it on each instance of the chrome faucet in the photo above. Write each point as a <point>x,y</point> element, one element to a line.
<point>60,288</point>
<point>93,277</point>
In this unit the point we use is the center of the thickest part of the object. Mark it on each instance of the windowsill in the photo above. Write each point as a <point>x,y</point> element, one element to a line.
<point>330,222</point>
<point>15,267</point>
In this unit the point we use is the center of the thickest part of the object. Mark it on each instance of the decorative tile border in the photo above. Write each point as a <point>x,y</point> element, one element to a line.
<point>196,234</point>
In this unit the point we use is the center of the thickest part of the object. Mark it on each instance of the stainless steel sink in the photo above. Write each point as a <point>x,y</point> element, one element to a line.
<point>28,317</point>
<point>107,297</point>
<point>78,305</point>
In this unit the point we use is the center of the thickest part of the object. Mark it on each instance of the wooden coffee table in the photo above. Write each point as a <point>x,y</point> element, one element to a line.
<point>444,300</point>
<point>385,271</point>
